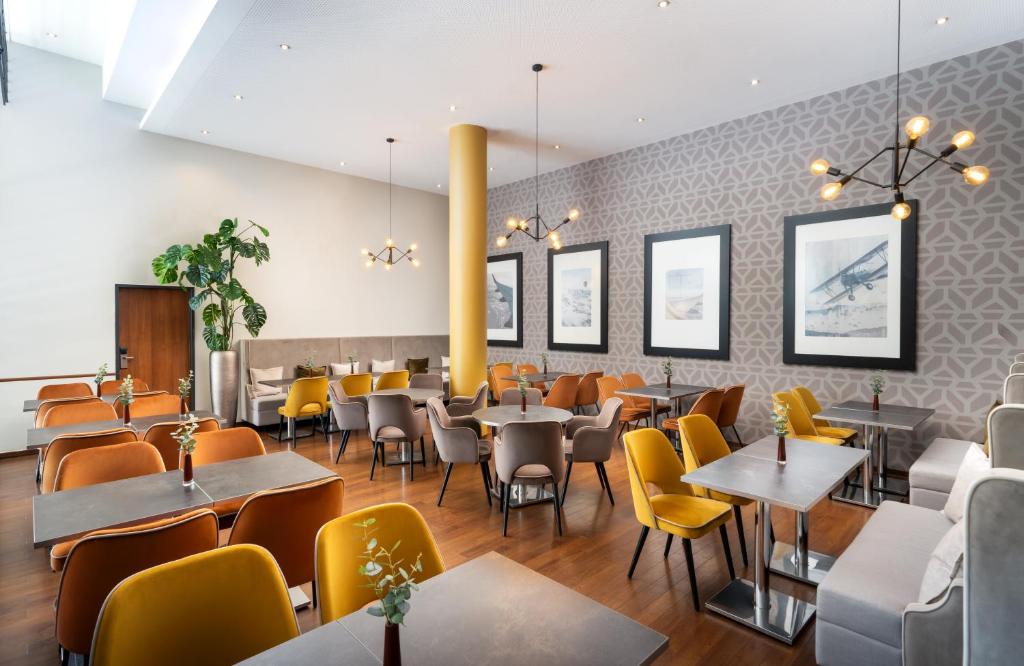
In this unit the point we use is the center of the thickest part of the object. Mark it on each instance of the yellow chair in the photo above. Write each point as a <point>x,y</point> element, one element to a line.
<point>307,398</point>
<point>216,607</point>
<point>702,444</point>
<point>800,424</point>
<point>824,428</point>
<point>673,509</point>
<point>396,379</point>
<point>356,385</point>
<point>340,543</point>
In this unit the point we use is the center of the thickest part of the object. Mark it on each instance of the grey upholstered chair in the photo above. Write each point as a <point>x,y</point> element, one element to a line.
<point>457,444</point>
<point>1016,368</point>
<point>1018,358</point>
<point>510,396</point>
<point>1006,436</point>
<point>349,413</point>
<point>392,418</point>
<point>590,439</point>
<point>465,405</point>
<point>530,453</point>
<point>1013,389</point>
<point>426,381</point>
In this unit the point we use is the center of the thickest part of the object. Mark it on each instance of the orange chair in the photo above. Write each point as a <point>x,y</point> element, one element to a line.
<point>633,380</point>
<point>68,415</point>
<point>51,391</point>
<point>159,435</point>
<point>228,444</point>
<point>494,381</point>
<point>112,386</point>
<point>63,445</point>
<point>286,521</point>
<point>530,369</point>
<point>141,406</point>
<point>586,393</point>
<point>100,560</point>
<point>607,388</point>
<point>800,424</point>
<point>730,409</point>
<point>563,392</point>
<point>709,403</point>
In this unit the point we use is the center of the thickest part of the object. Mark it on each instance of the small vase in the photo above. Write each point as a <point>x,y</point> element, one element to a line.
<point>186,472</point>
<point>780,455</point>
<point>392,645</point>
<point>545,368</point>
<point>183,408</point>
<point>351,367</point>
<point>98,394</point>
<point>874,402</point>
<point>522,403</point>
<point>127,415</point>
<point>668,382</point>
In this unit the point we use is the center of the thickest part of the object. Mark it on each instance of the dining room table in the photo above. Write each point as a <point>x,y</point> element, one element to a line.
<point>38,438</point>
<point>537,377</point>
<point>656,393</point>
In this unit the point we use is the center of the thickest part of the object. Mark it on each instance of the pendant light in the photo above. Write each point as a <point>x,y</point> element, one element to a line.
<point>915,128</point>
<point>390,255</point>
<point>534,226</point>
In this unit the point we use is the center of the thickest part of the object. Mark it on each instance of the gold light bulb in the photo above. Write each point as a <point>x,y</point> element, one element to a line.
<point>574,214</point>
<point>976,175</point>
<point>524,225</point>
<point>554,237</point>
<point>412,247</point>
<point>364,251</point>
<point>512,223</point>
<point>369,264</point>
<point>829,191</point>
<point>501,241</point>
<point>901,210</point>
<point>963,139</point>
<point>416,263</point>
<point>819,167</point>
<point>917,127</point>
<point>387,266</point>
<point>389,243</point>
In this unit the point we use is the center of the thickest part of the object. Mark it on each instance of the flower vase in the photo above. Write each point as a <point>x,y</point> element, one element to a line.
<point>392,645</point>
<point>98,394</point>
<point>522,403</point>
<point>127,415</point>
<point>183,408</point>
<point>874,402</point>
<point>352,367</point>
<point>668,382</point>
<point>545,367</point>
<point>186,472</point>
<point>780,455</point>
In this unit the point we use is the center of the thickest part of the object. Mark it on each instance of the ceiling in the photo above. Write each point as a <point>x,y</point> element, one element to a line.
<point>361,70</point>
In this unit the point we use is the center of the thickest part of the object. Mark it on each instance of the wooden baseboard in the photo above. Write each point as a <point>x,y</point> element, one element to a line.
<point>18,453</point>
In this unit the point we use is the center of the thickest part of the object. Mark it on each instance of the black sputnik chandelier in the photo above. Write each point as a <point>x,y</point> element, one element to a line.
<point>390,255</point>
<point>900,153</point>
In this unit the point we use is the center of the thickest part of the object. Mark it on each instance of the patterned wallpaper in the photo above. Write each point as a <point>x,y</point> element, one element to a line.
<point>752,172</point>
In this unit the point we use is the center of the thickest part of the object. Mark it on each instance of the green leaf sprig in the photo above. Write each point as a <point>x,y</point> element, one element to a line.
<point>387,576</point>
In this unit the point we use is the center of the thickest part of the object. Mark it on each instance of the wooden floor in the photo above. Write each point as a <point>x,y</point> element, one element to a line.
<point>592,557</point>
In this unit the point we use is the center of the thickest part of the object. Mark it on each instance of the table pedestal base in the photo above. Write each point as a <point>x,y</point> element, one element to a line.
<point>783,620</point>
<point>783,562</point>
<point>401,457</point>
<point>526,495</point>
<point>299,598</point>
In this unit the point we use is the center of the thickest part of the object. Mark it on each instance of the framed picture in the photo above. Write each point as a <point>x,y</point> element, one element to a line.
<point>578,298</point>
<point>850,289</point>
<point>686,293</point>
<point>505,300</point>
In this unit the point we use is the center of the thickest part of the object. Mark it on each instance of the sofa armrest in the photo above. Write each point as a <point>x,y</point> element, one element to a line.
<point>933,634</point>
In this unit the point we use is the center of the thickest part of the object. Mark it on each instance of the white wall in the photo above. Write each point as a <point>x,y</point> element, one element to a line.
<point>87,200</point>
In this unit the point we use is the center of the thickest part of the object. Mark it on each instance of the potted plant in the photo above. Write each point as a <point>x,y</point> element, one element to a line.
<point>352,362</point>
<point>666,367</point>
<point>309,368</point>
<point>544,362</point>
<point>184,391</point>
<point>101,372</point>
<point>391,584</point>
<point>209,268</point>
<point>780,425</point>
<point>877,386</point>
<point>126,395</point>
<point>523,385</point>
<point>186,445</point>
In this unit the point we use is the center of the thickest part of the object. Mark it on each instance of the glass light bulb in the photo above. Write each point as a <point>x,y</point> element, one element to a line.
<point>829,191</point>
<point>512,223</point>
<point>416,263</point>
<point>412,247</point>
<point>976,175</point>
<point>901,210</point>
<point>917,127</point>
<point>369,263</point>
<point>501,241</point>
<point>554,237</point>
<point>574,214</point>
<point>963,139</point>
<point>389,242</point>
<point>557,246</point>
<point>387,266</point>
<point>819,167</point>
<point>364,251</point>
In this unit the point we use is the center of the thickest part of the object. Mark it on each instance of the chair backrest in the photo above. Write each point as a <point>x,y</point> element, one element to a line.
<point>62,445</point>
<point>156,404</point>
<point>709,403</point>
<point>427,381</point>
<point>811,404</point>
<point>730,410</point>
<point>417,366</point>
<point>112,386</point>
<point>634,380</point>
<point>228,444</point>
<point>141,397</point>
<point>303,392</point>
<point>46,405</point>
<point>84,411</point>
<point>1016,368</point>
<point>527,368</point>
<point>454,443</point>
<point>159,435</point>
<point>586,392</point>
<point>651,460</point>
<point>285,522</point>
<point>358,384</point>
<point>394,410</point>
<point>76,390</point>
<point>496,375</point>
<point>607,387</point>
<point>341,543</point>
<point>702,441</point>
<point>392,380</point>
<point>1018,358</point>
<point>87,467</point>
<point>1006,436</point>
<point>563,392</point>
<point>593,441</point>
<point>529,443</point>
<point>511,396</point>
<point>216,607</point>
<point>1013,389</point>
<point>102,559</point>
<point>800,422</point>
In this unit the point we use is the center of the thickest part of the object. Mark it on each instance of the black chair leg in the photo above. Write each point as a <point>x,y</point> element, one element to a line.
<point>444,485</point>
<point>423,452</point>
<point>565,484</point>
<point>412,461</point>
<point>694,594</point>
<point>294,424</point>
<point>487,481</point>
<point>505,488</point>
<point>737,433</point>
<point>558,509</point>
<point>607,484</point>
<point>280,429</point>
<point>668,545</point>
<point>342,445</point>
<point>737,512</point>
<point>728,550</point>
<point>373,465</point>
<point>644,531</point>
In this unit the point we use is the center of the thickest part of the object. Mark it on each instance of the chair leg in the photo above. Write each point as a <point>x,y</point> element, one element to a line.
<point>565,484</point>
<point>423,452</point>
<point>728,551</point>
<point>505,491</point>
<point>607,484</point>
<point>487,481</point>
<point>558,509</point>
<point>694,594</point>
<point>412,461</point>
<point>313,589</point>
<point>341,446</point>
<point>280,429</point>
<point>444,485</point>
<point>668,545</point>
<point>737,433</point>
<point>738,514</point>
<point>373,465</point>
<point>294,425</point>
<point>644,531</point>
<point>600,479</point>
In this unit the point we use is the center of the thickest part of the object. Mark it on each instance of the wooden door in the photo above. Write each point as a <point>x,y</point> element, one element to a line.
<point>155,335</point>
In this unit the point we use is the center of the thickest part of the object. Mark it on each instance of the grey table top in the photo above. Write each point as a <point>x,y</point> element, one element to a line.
<point>899,417</point>
<point>810,472</point>
<point>40,437</point>
<point>331,643</point>
<point>505,414</point>
<point>244,476</point>
<point>33,405</point>
<point>538,377</point>
<point>417,395</point>
<point>659,392</point>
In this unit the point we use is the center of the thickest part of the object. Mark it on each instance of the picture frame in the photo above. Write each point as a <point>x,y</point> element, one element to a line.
<point>504,293</point>
<point>687,280</point>
<point>845,304</point>
<point>578,298</point>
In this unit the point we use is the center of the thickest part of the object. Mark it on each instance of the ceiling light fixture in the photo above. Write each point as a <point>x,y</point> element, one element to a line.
<point>453,108</point>
<point>238,98</point>
<point>390,255</point>
<point>915,128</point>
<point>942,20</point>
<point>534,226</point>
<point>205,132</point>
<point>490,168</point>
<point>754,82</point>
<point>439,186</point>
<point>285,47</point>
<point>663,4</point>
<point>341,163</point>
<point>51,35</point>
<point>641,119</point>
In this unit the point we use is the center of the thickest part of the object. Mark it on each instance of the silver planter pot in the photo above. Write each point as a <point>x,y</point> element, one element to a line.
<point>224,384</point>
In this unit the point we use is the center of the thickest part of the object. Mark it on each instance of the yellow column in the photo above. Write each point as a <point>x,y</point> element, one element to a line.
<point>467,256</point>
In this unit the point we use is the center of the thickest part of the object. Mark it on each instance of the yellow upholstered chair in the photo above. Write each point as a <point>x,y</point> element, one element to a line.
<point>340,543</point>
<point>358,384</point>
<point>62,445</point>
<point>112,386</point>
<point>824,428</point>
<point>496,381</point>
<point>51,391</point>
<point>800,424</point>
<point>307,399</point>
<point>84,410</point>
<point>396,379</point>
<point>702,444</point>
<point>216,607</point>
<point>160,436</point>
<point>672,507</point>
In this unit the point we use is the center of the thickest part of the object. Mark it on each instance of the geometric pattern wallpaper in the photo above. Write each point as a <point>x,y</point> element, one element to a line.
<point>752,172</point>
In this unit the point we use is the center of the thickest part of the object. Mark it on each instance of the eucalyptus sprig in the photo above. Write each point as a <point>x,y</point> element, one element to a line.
<point>666,367</point>
<point>522,383</point>
<point>390,582</point>
<point>185,386</point>
<point>184,434</point>
<point>126,392</point>
<point>309,363</point>
<point>101,372</point>
<point>544,358</point>
<point>352,356</point>
<point>780,418</point>
<point>877,382</point>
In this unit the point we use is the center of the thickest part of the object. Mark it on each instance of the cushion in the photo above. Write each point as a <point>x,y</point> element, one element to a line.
<point>936,468</point>
<point>417,366</point>
<point>341,369</point>
<point>974,466</point>
<point>257,375</point>
<point>382,366</point>
<point>261,390</point>
<point>943,565</point>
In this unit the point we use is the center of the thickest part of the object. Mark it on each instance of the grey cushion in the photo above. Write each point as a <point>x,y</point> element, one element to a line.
<point>263,410</point>
<point>880,572</point>
<point>936,468</point>
<point>838,646</point>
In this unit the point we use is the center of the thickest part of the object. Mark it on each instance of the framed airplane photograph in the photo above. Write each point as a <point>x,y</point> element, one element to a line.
<point>505,300</point>
<point>850,289</point>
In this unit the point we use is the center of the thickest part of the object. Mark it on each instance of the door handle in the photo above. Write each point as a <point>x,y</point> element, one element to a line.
<point>124,359</point>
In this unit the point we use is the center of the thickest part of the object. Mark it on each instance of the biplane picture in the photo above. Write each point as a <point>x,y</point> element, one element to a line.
<point>862,273</point>
<point>847,280</point>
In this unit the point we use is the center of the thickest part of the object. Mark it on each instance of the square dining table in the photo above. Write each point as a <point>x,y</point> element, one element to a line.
<point>33,404</point>
<point>41,437</point>
<point>660,393</point>
<point>537,378</point>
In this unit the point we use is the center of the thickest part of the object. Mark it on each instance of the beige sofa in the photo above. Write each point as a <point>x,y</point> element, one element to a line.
<point>291,352</point>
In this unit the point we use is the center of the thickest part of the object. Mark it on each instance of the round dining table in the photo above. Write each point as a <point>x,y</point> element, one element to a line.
<point>417,395</point>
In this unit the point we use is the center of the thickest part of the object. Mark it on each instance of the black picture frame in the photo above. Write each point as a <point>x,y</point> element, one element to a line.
<point>907,359</point>
<point>517,257</point>
<point>724,232</point>
<point>601,348</point>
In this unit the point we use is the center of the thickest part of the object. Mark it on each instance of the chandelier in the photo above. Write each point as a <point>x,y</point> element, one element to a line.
<point>390,255</point>
<point>534,226</point>
<point>899,178</point>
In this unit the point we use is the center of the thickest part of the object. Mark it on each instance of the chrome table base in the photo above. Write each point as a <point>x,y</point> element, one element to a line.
<point>811,570</point>
<point>783,619</point>
<point>299,598</point>
<point>526,495</point>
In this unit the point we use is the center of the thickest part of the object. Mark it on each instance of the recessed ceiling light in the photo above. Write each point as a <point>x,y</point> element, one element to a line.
<point>205,132</point>
<point>664,3</point>
<point>490,168</point>
<point>641,119</point>
<point>52,35</point>
<point>285,47</point>
<point>238,98</point>
<point>439,186</point>
<point>452,107</point>
<point>341,163</point>
<point>557,147</point>
<point>754,82</point>
<point>942,20</point>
